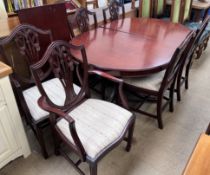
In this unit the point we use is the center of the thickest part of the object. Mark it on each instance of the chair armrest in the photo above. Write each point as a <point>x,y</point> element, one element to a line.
<point>122,98</point>
<point>46,106</point>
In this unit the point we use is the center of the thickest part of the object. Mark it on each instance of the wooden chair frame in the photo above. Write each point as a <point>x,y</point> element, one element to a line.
<point>189,56</point>
<point>59,56</point>
<point>168,82</point>
<point>113,8</point>
<point>81,21</point>
<point>26,38</point>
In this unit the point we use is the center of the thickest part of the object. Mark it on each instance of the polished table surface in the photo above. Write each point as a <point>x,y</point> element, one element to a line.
<point>138,47</point>
<point>199,162</point>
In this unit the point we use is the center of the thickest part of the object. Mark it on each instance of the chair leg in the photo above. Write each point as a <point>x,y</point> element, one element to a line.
<point>171,105</point>
<point>159,113</point>
<point>130,137</point>
<point>93,169</point>
<point>178,87</point>
<point>40,139</point>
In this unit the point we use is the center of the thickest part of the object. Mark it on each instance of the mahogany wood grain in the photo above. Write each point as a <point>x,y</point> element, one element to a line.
<point>199,162</point>
<point>140,46</point>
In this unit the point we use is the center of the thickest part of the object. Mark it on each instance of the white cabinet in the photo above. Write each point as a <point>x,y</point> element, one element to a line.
<point>13,141</point>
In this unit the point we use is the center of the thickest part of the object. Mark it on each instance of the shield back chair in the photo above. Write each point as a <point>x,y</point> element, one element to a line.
<point>146,8</point>
<point>116,9</point>
<point>53,17</point>
<point>80,22</point>
<point>154,86</point>
<point>159,8</point>
<point>23,47</point>
<point>192,50</point>
<point>88,127</point>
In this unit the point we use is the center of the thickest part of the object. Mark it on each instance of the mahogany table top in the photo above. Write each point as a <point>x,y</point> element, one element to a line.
<point>148,51</point>
<point>199,162</point>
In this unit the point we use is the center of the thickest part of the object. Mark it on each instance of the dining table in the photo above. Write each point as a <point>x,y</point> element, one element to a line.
<point>131,46</point>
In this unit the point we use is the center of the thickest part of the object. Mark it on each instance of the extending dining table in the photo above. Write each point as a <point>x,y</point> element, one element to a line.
<point>132,46</point>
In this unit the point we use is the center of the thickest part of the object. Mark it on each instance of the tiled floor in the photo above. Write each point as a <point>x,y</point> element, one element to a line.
<point>154,151</point>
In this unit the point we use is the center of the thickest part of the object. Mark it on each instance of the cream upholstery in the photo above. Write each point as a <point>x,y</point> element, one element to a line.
<point>55,92</point>
<point>98,123</point>
<point>152,82</point>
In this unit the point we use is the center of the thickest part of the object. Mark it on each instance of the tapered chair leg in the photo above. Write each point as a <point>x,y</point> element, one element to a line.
<point>130,137</point>
<point>40,139</point>
<point>159,113</point>
<point>93,169</point>
<point>171,97</point>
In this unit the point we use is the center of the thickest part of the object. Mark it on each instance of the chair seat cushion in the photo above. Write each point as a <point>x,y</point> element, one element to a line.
<point>193,25</point>
<point>98,124</point>
<point>55,92</point>
<point>152,82</point>
<point>205,34</point>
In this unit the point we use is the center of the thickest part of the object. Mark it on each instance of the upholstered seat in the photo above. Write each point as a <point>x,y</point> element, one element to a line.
<point>152,82</point>
<point>54,90</point>
<point>98,124</point>
<point>193,25</point>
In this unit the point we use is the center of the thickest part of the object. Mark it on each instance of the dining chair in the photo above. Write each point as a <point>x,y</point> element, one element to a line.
<point>153,87</point>
<point>196,48</point>
<point>80,22</point>
<point>145,8</point>
<point>88,127</point>
<point>159,8</point>
<point>23,47</point>
<point>115,9</point>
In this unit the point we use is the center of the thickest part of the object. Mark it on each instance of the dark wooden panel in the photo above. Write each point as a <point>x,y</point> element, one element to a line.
<point>53,17</point>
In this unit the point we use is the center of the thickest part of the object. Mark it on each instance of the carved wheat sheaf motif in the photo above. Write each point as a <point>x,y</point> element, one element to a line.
<point>27,40</point>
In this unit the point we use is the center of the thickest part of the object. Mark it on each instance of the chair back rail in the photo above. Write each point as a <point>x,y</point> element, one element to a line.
<point>146,8</point>
<point>80,21</point>
<point>114,11</point>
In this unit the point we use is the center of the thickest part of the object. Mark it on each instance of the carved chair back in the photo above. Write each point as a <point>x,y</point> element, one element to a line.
<point>176,63</point>
<point>23,47</point>
<point>159,8</point>
<point>53,17</point>
<point>114,10</point>
<point>81,21</point>
<point>146,8</point>
<point>63,65</point>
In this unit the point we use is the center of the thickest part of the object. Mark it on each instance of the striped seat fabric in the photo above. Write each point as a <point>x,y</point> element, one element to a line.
<point>152,82</point>
<point>98,124</point>
<point>55,92</point>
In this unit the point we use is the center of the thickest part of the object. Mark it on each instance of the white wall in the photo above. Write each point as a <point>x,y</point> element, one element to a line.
<point>3,13</point>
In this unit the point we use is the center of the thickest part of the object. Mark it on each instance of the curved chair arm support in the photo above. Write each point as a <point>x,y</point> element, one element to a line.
<point>46,106</point>
<point>105,75</point>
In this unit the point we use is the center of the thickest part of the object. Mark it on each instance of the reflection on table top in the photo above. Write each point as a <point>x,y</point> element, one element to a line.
<point>199,162</point>
<point>150,50</point>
